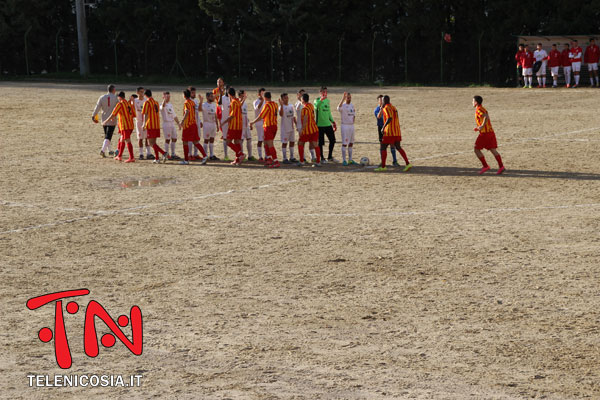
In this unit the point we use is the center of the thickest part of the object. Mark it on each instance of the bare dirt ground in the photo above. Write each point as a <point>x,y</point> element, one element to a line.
<point>297,283</point>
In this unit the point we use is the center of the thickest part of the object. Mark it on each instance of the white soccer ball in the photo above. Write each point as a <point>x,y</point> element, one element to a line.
<point>364,161</point>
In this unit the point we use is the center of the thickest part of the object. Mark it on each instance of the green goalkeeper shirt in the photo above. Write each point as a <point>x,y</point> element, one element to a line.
<point>323,113</point>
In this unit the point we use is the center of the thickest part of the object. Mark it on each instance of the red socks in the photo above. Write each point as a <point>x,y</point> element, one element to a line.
<point>483,162</point>
<point>301,151</point>
<point>383,157</point>
<point>403,154</point>
<point>200,148</point>
<point>129,149</point>
<point>318,154</point>
<point>499,159</point>
<point>273,153</point>
<point>186,151</point>
<point>121,148</point>
<point>157,150</point>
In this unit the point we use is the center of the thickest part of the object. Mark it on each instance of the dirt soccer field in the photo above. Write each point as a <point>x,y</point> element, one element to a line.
<point>305,283</point>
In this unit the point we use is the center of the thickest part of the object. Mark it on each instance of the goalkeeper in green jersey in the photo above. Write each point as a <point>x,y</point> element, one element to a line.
<point>325,123</point>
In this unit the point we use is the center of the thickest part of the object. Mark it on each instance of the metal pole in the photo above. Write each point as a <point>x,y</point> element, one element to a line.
<point>306,57</point>
<point>406,58</point>
<point>26,55</point>
<point>57,33</point>
<point>206,46</point>
<point>373,57</point>
<point>479,49</point>
<point>442,59</point>
<point>146,55</point>
<point>116,60</point>
<point>340,58</point>
<point>272,45</point>
<point>240,55</point>
<point>84,59</point>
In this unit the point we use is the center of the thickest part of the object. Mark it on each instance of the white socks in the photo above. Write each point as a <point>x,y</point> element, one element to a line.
<point>225,148</point>
<point>350,153</point>
<point>313,155</point>
<point>291,152</point>
<point>148,151</point>
<point>249,147</point>
<point>344,152</point>
<point>259,148</point>
<point>577,79</point>
<point>284,151</point>
<point>544,81</point>
<point>211,148</point>
<point>172,148</point>
<point>106,145</point>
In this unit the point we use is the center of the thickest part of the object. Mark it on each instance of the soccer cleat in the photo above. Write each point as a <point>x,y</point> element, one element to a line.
<point>332,160</point>
<point>252,158</point>
<point>544,86</point>
<point>318,165</point>
<point>275,165</point>
<point>149,157</point>
<point>261,160</point>
<point>286,161</point>
<point>352,162</point>
<point>395,164</point>
<point>165,157</point>
<point>117,153</point>
<point>130,160</point>
<point>574,86</point>
<point>204,161</point>
<point>407,168</point>
<point>241,158</point>
<point>530,87</point>
<point>500,170</point>
<point>301,163</point>
<point>381,169</point>
<point>313,160</point>
<point>235,162</point>
<point>118,158</point>
<point>184,162</point>
<point>568,85</point>
<point>293,160</point>
<point>102,154</point>
<point>141,157</point>
<point>175,157</point>
<point>226,159</point>
<point>484,170</point>
<point>214,158</point>
<point>525,87</point>
<point>156,162</point>
<point>345,163</point>
<point>111,153</point>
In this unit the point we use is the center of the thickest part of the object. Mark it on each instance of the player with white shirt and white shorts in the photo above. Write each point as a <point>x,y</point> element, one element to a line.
<point>288,119</point>
<point>541,55</point>
<point>246,132</point>
<point>348,116</point>
<point>260,133</point>
<point>209,115</point>
<point>139,125</point>
<point>225,104</point>
<point>169,120</point>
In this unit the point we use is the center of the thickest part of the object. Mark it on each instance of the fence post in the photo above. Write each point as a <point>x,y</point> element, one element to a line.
<point>116,60</point>
<point>306,57</point>
<point>340,58</point>
<point>406,58</point>
<point>373,57</point>
<point>26,55</point>
<point>442,59</point>
<point>146,55</point>
<point>82,39</point>
<point>272,61</point>
<point>479,55</point>
<point>206,47</point>
<point>57,34</point>
<point>240,55</point>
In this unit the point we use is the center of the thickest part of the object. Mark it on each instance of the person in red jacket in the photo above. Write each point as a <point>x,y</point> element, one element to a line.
<point>554,60</point>
<point>566,64</point>
<point>519,60</point>
<point>528,61</point>
<point>591,57</point>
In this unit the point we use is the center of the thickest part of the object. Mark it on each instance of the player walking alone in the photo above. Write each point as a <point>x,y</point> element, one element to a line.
<point>391,134</point>
<point>487,137</point>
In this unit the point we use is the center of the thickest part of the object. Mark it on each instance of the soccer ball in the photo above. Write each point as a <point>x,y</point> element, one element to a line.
<point>364,161</point>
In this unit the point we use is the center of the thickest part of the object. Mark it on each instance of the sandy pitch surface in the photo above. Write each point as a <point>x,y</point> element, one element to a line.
<point>304,283</point>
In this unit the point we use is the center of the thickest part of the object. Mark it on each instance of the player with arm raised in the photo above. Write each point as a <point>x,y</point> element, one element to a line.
<point>190,129</point>
<point>125,113</point>
<point>268,115</point>
<point>260,133</point>
<point>288,119</point>
<point>391,134</point>
<point>106,103</point>
<point>169,120</point>
<point>591,57</point>
<point>309,133</point>
<point>348,116</point>
<point>487,137</point>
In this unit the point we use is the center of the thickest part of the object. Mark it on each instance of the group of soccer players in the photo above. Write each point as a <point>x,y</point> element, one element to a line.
<point>225,110</point>
<point>570,59</point>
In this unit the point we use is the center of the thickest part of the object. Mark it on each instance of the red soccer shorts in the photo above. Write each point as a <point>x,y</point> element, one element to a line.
<point>190,134</point>
<point>309,137</point>
<point>388,139</point>
<point>126,134</point>
<point>234,134</point>
<point>270,132</point>
<point>486,141</point>
<point>153,133</point>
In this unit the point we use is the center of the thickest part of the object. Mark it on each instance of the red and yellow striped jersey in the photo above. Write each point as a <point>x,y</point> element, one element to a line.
<point>126,112</point>
<point>269,114</point>
<point>393,128</point>
<point>217,93</point>
<point>480,114</point>
<point>190,107</point>
<point>151,111</point>
<point>235,112</point>
<point>308,113</point>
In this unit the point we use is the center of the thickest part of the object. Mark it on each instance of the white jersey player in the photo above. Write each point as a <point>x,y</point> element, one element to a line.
<point>260,133</point>
<point>210,125</point>
<point>246,132</point>
<point>540,55</point>
<point>169,119</point>
<point>288,119</point>
<point>348,116</point>
<point>138,103</point>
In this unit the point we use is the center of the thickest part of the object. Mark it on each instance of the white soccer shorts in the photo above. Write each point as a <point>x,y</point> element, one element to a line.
<point>593,66</point>
<point>542,70</point>
<point>210,130</point>
<point>554,71</point>
<point>527,71</point>
<point>567,71</point>
<point>260,132</point>
<point>347,134</point>
<point>288,137</point>
<point>139,129</point>
<point>224,129</point>
<point>170,130</point>
<point>246,133</point>
<point>576,66</point>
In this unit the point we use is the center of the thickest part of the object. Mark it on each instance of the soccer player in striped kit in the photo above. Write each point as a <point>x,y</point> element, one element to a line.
<point>268,115</point>
<point>125,112</point>
<point>140,131</point>
<point>234,126</point>
<point>391,134</point>
<point>190,129</point>
<point>286,112</point>
<point>298,107</point>
<point>106,103</point>
<point>169,120</point>
<point>151,112</point>
<point>487,137</point>
<point>309,133</point>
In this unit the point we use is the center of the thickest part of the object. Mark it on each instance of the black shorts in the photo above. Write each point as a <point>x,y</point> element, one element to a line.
<point>108,131</point>
<point>380,132</point>
<point>326,130</point>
